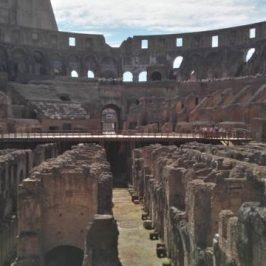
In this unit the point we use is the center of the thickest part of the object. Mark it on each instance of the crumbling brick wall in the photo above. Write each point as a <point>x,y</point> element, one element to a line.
<point>60,199</point>
<point>15,166</point>
<point>193,196</point>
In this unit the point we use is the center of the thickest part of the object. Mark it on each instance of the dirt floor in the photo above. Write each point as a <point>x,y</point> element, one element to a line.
<point>135,247</point>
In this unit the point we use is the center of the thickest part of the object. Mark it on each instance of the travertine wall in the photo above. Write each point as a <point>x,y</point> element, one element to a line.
<point>193,195</point>
<point>28,13</point>
<point>28,53</point>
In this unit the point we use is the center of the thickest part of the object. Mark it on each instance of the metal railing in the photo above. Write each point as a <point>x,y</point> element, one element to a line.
<point>230,135</point>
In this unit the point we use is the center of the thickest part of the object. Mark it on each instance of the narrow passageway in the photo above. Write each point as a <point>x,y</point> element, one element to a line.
<point>135,247</point>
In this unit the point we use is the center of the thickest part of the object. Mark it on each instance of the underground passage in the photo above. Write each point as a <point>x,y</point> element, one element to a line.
<point>64,256</point>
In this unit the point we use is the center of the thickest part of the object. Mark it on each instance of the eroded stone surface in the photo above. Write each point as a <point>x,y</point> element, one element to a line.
<point>67,201</point>
<point>194,197</point>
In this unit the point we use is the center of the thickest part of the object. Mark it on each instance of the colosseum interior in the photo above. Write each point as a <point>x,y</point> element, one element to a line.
<point>150,154</point>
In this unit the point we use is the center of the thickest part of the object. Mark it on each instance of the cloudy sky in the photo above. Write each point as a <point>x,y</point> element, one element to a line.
<point>119,19</point>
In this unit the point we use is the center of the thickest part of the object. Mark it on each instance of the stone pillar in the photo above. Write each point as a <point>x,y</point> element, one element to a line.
<point>101,243</point>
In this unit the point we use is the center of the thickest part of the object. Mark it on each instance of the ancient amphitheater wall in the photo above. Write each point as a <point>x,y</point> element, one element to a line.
<point>28,53</point>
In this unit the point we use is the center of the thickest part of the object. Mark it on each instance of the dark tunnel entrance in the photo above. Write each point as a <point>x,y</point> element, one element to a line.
<point>64,256</point>
<point>118,155</point>
<point>110,119</point>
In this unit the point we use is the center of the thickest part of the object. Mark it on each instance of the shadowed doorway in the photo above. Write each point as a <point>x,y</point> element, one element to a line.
<point>110,119</point>
<point>64,256</point>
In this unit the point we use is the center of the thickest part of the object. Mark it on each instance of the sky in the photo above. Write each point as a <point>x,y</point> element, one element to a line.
<point>119,19</point>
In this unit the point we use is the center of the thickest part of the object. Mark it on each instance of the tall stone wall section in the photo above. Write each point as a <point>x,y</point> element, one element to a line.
<point>197,202</point>
<point>15,166</point>
<point>70,201</point>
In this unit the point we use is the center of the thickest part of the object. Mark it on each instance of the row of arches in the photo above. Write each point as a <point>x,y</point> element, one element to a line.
<point>127,76</point>
<point>75,74</point>
<point>19,61</point>
<point>248,56</point>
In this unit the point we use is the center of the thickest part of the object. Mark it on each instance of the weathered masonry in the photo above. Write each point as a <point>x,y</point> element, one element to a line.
<point>65,211</point>
<point>15,166</point>
<point>206,203</point>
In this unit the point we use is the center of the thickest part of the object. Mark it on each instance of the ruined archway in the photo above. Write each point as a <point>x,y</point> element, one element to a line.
<point>156,76</point>
<point>19,64</point>
<point>64,256</point>
<point>109,68</point>
<point>110,118</point>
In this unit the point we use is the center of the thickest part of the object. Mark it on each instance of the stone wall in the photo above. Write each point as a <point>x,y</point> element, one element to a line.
<point>193,195</point>
<point>28,53</point>
<point>28,13</point>
<point>64,196</point>
<point>163,107</point>
<point>15,166</point>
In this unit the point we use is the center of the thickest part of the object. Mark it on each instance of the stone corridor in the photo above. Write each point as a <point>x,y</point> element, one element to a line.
<point>134,245</point>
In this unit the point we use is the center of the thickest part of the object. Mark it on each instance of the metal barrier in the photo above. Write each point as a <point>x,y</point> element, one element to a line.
<point>124,135</point>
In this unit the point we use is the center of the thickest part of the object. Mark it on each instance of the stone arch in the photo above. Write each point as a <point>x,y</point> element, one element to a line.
<point>73,64</point>
<point>193,62</point>
<point>234,62</point>
<point>156,76</point>
<point>90,74</point>
<point>127,76</point>
<point>109,67</point>
<point>213,63</point>
<point>57,214</point>
<point>19,64</point>
<point>64,256</point>
<point>111,117</point>
<point>91,64</point>
<point>178,62</point>
<point>108,74</point>
<point>74,74</point>
<point>57,64</point>
<point>39,67</point>
<point>250,54</point>
<point>143,76</point>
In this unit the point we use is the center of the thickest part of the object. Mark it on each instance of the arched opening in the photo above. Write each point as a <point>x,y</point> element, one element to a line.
<point>74,74</point>
<point>91,74</point>
<point>39,66</point>
<point>19,63</point>
<point>109,68</point>
<point>108,74</point>
<point>156,76</point>
<point>64,256</point>
<point>57,64</point>
<point>178,62</point>
<point>250,53</point>
<point>110,119</point>
<point>143,76</point>
<point>127,77</point>
<point>64,97</point>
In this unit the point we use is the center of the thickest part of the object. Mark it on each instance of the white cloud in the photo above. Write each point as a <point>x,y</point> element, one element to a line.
<point>168,16</point>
